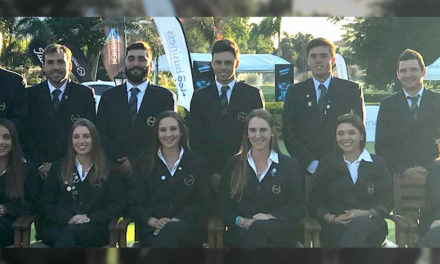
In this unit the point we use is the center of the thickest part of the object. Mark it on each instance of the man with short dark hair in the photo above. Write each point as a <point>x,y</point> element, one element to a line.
<point>13,104</point>
<point>312,107</point>
<point>408,123</point>
<point>128,112</point>
<point>54,105</point>
<point>218,111</point>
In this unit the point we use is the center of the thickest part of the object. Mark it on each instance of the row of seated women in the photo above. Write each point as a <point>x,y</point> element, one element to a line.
<point>263,193</point>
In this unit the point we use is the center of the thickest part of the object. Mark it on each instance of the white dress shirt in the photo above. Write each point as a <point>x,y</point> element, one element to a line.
<point>420,93</point>
<point>52,88</point>
<point>228,92</point>
<point>79,169</point>
<point>326,83</point>
<point>353,167</point>
<point>142,88</point>
<point>273,157</point>
<point>176,164</point>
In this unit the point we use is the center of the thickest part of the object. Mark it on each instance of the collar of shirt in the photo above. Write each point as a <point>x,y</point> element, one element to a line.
<point>140,95</point>
<point>52,88</point>
<point>79,169</point>
<point>229,92</point>
<point>419,93</point>
<point>162,158</point>
<point>365,155</point>
<point>273,157</point>
<point>326,83</point>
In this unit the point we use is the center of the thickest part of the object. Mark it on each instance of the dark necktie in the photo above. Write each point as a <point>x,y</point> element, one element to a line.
<point>414,107</point>
<point>132,103</point>
<point>55,98</point>
<point>321,99</point>
<point>224,99</point>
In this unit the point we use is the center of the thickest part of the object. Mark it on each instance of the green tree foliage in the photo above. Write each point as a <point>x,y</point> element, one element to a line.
<point>294,49</point>
<point>376,43</point>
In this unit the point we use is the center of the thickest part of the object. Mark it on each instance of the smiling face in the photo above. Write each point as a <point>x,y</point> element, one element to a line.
<point>82,141</point>
<point>5,142</point>
<point>320,62</point>
<point>410,75</point>
<point>137,65</point>
<point>224,65</point>
<point>348,138</point>
<point>259,134</point>
<point>57,67</point>
<point>169,132</point>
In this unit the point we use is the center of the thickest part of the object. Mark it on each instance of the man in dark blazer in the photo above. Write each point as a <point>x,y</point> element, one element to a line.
<point>312,107</point>
<point>128,112</point>
<point>408,123</point>
<point>54,105</point>
<point>13,104</point>
<point>218,111</point>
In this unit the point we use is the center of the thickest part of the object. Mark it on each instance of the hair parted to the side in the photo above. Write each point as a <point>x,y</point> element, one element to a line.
<point>226,44</point>
<point>100,166</point>
<point>317,42</point>
<point>410,54</point>
<point>240,172</point>
<point>150,156</point>
<point>142,45</point>
<point>15,175</point>
<point>57,48</point>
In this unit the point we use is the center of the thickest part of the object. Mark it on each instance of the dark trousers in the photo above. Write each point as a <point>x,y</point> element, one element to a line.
<point>83,235</point>
<point>361,232</point>
<point>262,234</point>
<point>172,235</point>
<point>6,232</point>
<point>431,238</point>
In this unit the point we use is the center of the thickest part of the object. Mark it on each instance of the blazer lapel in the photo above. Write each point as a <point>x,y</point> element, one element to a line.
<point>404,107</point>
<point>425,105</point>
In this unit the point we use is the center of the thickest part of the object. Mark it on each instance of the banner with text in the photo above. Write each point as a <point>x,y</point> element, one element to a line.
<point>178,57</point>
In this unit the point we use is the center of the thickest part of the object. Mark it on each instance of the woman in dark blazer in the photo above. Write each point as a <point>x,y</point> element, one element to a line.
<point>166,191</point>
<point>80,196</point>
<point>352,190</point>
<point>13,182</point>
<point>262,190</point>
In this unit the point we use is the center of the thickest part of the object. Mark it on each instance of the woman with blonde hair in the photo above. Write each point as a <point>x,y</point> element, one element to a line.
<point>262,190</point>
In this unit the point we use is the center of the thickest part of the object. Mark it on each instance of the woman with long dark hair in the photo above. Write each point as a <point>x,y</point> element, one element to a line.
<point>262,190</point>
<point>80,195</point>
<point>352,190</point>
<point>13,193</point>
<point>166,190</point>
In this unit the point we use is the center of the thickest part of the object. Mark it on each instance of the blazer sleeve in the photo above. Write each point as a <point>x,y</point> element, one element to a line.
<point>294,143</point>
<point>319,193</point>
<point>103,120</point>
<point>358,102</point>
<point>54,208</point>
<point>381,145</point>
<point>19,105</point>
<point>197,136</point>
<point>385,189</point>
<point>260,102</point>
<point>138,199</point>
<point>113,201</point>
<point>293,208</point>
<point>227,204</point>
<point>89,106</point>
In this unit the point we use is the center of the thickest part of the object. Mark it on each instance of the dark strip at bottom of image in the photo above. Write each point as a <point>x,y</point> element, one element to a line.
<point>218,256</point>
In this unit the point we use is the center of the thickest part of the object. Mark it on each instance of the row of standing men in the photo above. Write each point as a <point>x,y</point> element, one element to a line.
<point>406,129</point>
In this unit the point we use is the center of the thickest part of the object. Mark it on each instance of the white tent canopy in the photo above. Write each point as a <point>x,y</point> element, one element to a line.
<point>248,62</point>
<point>433,71</point>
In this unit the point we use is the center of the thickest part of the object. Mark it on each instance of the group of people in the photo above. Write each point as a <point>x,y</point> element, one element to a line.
<point>137,158</point>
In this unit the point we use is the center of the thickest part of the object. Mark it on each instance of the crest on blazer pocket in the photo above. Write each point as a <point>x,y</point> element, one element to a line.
<point>2,106</point>
<point>74,117</point>
<point>97,185</point>
<point>276,189</point>
<point>371,189</point>
<point>189,180</point>
<point>151,120</point>
<point>241,116</point>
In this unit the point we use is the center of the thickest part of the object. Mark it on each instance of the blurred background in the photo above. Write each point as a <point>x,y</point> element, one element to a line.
<point>220,8</point>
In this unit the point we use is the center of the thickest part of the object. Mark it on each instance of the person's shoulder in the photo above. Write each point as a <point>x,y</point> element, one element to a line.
<point>284,159</point>
<point>4,73</point>
<point>302,84</point>
<point>391,99</point>
<point>80,86</point>
<point>204,90</point>
<point>42,86</point>
<point>160,89</point>
<point>246,86</point>
<point>345,83</point>
<point>433,94</point>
